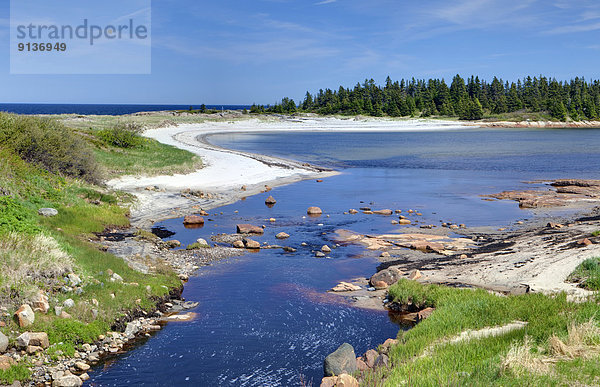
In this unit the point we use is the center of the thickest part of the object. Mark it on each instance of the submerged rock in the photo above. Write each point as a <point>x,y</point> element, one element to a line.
<point>342,361</point>
<point>314,211</point>
<point>270,200</point>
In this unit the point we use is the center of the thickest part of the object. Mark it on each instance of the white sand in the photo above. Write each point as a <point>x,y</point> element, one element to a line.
<point>226,171</point>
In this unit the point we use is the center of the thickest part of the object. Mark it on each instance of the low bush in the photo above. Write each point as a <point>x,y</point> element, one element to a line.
<point>15,217</point>
<point>49,144</point>
<point>122,135</point>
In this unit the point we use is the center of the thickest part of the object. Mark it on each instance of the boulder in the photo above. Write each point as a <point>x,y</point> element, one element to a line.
<point>238,244</point>
<point>326,249</point>
<point>249,229</point>
<point>68,381</point>
<point>387,344</point>
<point>193,220</point>
<point>415,275</point>
<point>47,212</point>
<point>23,340</point>
<point>250,244</point>
<point>404,222</point>
<point>361,365</point>
<point>40,302</point>
<point>314,211</point>
<point>425,313</point>
<point>585,242</point>
<point>353,211</point>
<point>345,287</point>
<point>25,316</point>
<point>371,357</point>
<point>388,276</point>
<point>319,254</point>
<point>383,212</point>
<point>173,243</point>
<point>385,254</point>
<point>282,235</point>
<point>69,303</point>
<point>342,361</point>
<point>3,342</point>
<point>202,213</point>
<point>202,242</point>
<point>82,366</point>
<point>6,362</point>
<point>344,380</point>
<point>288,249</point>
<point>39,339</point>
<point>270,200</point>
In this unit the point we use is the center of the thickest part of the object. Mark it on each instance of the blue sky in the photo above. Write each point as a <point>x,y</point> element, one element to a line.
<point>242,51</point>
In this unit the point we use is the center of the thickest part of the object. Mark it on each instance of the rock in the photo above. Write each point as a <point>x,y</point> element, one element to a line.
<point>425,313</point>
<point>64,315</point>
<point>33,349</point>
<point>319,254</point>
<point>69,303</point>
<point>47,212</point>
<point>250,244</point>
<point>370,358</point>
<point>173,243</point>
<point>3,342</point>
<point>116,278</point>
<point>40,302</point>
<point>361,365</point>
<point>345,287</point>
<point>464,256</point>
<point>383,212</point>
<point>344,380</point>
<point>23,341</point>
<point>584,242</point>
<point>6,362</point>
<point>342,361</point>
<point>25,316</point>
<point>368,212</point>
<point>39,339</point>
<point>382,361</point>
<point>387,344</point>
<point>555,226</point>
<point>202,242</point>
<point>272,220</point>
<point>385,254</point>
<point>379,285</point>
<point>82,366</point>
<point>249,229</point>
<point>84,376</point>
<point>288,249</point>
<point>415,275</point>
<point>270,200</point>
<point>394,222</point>
<point>68,381</point>
<point>73,279</point>
<point>326,249</point>
<point>388,276</point>
<point>404,222</point>
<point>282,235</point>
<point>238,244</point>
<point>353,211</point>
<point>193,220</point>
<point>314,211</point>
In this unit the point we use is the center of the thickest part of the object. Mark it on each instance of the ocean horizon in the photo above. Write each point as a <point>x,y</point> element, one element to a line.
<point>102,109</point>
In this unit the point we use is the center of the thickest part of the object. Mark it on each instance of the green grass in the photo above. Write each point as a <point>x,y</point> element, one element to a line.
<point>18,372</point>
<point>587,274</point>
<point>149,158</point>
<point>476,362</point>
<point>37,252</point>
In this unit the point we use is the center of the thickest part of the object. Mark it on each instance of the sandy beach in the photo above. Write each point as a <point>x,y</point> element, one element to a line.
<point>226,171</point>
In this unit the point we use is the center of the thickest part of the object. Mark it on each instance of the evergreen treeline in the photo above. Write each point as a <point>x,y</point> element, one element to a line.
<point>470,100</point>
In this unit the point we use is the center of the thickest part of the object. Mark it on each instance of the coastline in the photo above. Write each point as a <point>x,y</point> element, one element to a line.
<point>226,171</point>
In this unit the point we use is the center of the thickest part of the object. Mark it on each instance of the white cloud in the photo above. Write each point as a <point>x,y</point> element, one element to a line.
<point>573,29</point>
<point>325,2</point>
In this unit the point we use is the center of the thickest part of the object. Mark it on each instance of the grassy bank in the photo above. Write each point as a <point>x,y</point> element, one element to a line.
<point>559,346</point>
<point>44,164</point>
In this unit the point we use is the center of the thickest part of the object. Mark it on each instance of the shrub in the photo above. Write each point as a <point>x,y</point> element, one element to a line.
<point>49,144</point>
<point>15,217</point>
<point>122,135</point>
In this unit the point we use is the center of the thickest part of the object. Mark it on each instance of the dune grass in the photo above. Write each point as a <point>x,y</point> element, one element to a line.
<point>587,274</point>
<point>425,356</point>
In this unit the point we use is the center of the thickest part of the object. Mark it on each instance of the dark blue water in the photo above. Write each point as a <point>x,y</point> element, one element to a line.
<point>265,318</point>
<point>101,109</point>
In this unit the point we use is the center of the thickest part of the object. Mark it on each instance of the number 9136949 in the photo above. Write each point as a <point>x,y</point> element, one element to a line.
<point>42,47</point>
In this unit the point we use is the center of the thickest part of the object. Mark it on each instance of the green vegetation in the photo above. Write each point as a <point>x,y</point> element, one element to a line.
<point>41,165</point>
<point>559,346</point>
<point>471,100</point>
<point>588,274</point>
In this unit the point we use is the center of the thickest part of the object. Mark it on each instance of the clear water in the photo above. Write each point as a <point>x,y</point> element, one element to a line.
<point>264,319</point>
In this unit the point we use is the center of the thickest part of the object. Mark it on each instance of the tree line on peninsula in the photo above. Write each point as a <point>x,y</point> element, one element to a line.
<point>472,99</point>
